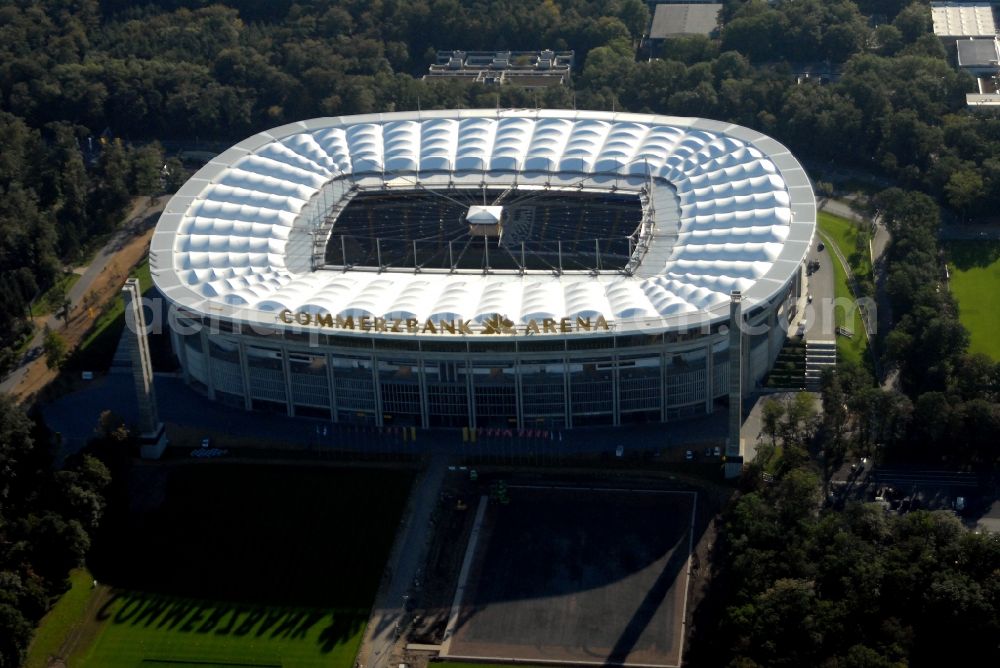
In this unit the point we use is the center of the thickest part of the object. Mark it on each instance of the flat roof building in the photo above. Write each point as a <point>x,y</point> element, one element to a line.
<point>526,69</point>
<point>953,20</point>
<point>675,20</point>
<point>978,55</point>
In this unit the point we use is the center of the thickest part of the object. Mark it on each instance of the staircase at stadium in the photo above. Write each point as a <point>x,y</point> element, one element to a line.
<point>820,355</point>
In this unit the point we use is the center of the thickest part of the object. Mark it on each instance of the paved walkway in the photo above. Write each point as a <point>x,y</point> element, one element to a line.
<point>389,616</point>
<point>140,218</point>
<point>75,415</point>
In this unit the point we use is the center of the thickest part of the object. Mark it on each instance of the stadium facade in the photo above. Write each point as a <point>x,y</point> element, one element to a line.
<point>484,268</point>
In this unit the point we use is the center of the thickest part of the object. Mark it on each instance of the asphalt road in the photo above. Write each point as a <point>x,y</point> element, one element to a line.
<point>820,325</point>
<point>140,218</point>
<point>389,616</point>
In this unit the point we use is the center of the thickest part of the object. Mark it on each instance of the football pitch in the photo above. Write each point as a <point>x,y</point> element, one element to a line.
<point>243,565</point>
<point>975,282</point>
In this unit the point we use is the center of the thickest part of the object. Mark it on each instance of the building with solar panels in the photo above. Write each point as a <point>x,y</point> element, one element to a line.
<point>484,268</point>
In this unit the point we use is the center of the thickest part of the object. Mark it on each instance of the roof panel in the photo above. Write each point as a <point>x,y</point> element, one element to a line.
<point>746,213</point>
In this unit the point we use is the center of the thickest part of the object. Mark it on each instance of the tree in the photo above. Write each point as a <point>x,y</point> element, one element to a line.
<point>15,634</point>
<point>146,174</point>
<point>54,347</point>
<point>15,446</point>
<point>770,420</point>
<point>965,190</point>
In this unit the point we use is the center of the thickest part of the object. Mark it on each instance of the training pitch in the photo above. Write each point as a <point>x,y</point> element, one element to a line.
<point>975,282</point>
<point>576,575</point>
<point>262,565</point>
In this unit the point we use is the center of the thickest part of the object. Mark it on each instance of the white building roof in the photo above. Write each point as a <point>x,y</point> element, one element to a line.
<point>236,242</point>
<point>675,19</point>
<point>963,19</point>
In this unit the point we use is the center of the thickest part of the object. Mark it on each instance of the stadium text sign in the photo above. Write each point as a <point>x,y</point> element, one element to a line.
<point>496,324</point>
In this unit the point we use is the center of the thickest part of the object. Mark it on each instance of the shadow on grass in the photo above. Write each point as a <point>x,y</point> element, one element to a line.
<point>199,617</point>
<point>971,254</point>
<point>285,553</point>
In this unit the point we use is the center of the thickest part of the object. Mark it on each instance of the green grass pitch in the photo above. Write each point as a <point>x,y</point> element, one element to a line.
<point>975,282</point>
<point>240,565</point>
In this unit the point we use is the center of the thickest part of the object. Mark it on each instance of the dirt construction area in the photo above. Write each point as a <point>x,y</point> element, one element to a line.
<point>575,575</point>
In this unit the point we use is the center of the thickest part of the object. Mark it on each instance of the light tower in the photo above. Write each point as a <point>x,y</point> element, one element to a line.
<point>152,436</point>
<point>734,461</point>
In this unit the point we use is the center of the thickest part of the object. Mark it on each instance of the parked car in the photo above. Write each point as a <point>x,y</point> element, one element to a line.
<point>689,455</point>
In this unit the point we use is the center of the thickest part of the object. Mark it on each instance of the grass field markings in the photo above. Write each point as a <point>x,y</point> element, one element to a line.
<point>463,576</point>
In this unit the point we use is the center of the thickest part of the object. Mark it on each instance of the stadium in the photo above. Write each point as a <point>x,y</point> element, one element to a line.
<point>485,268</point>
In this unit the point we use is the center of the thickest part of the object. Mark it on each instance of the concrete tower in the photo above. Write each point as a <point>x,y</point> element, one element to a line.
<point>151,433</point>
<point>734,460</point>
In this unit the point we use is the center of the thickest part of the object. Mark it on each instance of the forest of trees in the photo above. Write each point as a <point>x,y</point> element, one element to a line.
<point>47,518</point>
<point>74,73</point>
<point>88,88</point>
<point>797,585</point>
<point>852,588</point>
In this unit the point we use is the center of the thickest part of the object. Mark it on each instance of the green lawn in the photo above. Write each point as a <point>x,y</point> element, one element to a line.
<point>98,346</point>
<point>172,631</point>
<point>244,565</point>
<point>975,282</point>
<point>852,349</point>
<point>66,614</point>
<point>844,233</point>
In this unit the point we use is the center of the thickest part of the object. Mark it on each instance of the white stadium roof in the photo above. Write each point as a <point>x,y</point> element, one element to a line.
<point>237,240</point>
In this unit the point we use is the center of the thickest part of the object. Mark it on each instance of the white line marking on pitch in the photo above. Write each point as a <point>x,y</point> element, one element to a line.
<point>463,576</point>
<point>687,581</point>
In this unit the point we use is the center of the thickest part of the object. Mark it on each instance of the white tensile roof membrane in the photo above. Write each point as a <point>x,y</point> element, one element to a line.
<point>234,241</point>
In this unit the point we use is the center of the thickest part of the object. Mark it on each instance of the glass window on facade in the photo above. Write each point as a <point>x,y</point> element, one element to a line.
<point>543,393</point>
<point>354,388</point>
<point>495,391</point>
<point>310,386</point>
<point>640,384</point>
<point>447,393</point>
<point>720,371</point>
<point>685,378</point>
<point>399,383</point>
<point>591,391</point>
<point>266,374</point>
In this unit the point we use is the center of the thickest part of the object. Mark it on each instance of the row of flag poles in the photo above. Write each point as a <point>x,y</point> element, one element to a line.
<point>472,434</point>
<point>469,434</point>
